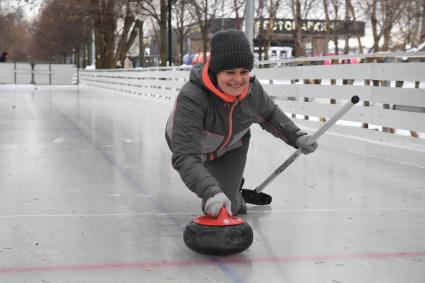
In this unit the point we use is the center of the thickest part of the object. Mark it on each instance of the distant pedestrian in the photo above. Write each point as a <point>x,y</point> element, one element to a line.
<point>127,62</point>
<point>3,57</point>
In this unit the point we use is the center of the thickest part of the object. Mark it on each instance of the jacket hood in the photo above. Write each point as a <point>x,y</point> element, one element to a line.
<point>196,75</point>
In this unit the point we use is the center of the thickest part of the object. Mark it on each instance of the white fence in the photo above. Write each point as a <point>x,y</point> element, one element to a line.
<point>389,121</point>
<point>40,74</point>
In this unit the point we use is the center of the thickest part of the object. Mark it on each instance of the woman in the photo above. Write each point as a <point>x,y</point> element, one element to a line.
<point>208,129</point>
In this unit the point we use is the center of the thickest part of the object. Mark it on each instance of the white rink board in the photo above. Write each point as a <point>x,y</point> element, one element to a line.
<point>401,109</point>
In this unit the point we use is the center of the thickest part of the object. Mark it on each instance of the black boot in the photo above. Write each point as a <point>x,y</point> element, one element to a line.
<point>243,208</point>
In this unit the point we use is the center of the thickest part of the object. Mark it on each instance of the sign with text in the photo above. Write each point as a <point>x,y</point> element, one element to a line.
<point>311,27</point>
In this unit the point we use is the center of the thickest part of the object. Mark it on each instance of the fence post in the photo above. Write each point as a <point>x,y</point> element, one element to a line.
<point>32,73</point>
<point>290,98</point>
<point>366,103</point>
<point>333,82</point>
<point>384,83</point>
<point>307,82</point>
<point>14,72</point>
<point>50,74</point>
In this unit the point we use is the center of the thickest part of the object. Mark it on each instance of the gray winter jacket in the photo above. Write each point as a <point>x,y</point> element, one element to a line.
<point>205,124</point>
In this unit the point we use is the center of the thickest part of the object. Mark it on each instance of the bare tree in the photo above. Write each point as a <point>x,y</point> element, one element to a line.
<point>350,18</point>
<point>260,33</point>
<point>237,6</point>
<point>267,13</point>
<point>14,34</point>
<point>159,14</point>
<point>391,12</point>
<point>116,29</point>
<point>412,24</point>
<point>374,23</point>
<point>204,11</point>
<point>346,27</point>
<point>61,31</point>
<point>350,13</point>
<point>336,4</point>
<point>300,10</point>
<point>298,38</point>
<point>422,16</point>
<point>328,25</point>
<point>353,14</point>
<point>65,25</point>
<point>128,33</point>
<point>104,16</point>
<point>184,21</point>
<point>272,8</point>
<point>140,23</point>
<point>383,15</point>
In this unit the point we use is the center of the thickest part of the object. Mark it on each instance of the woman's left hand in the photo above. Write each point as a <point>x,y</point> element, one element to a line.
<point>306,147</point>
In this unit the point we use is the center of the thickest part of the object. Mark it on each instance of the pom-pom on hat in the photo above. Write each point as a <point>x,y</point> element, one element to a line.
<point>230,49</point>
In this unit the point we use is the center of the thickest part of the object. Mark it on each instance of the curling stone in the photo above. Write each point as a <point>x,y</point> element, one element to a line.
<point>224,235</point>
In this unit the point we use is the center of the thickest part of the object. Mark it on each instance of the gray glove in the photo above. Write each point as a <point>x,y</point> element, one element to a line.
<point>215,203</point>
<point>306,148</point>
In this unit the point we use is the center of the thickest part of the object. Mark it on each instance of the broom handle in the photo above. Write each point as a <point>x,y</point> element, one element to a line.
<point>312,139</point>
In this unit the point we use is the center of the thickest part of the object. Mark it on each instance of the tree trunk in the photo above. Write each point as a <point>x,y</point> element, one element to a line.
<point>346,28</point>
<point>141,44</point>
<point>123,42</point>
<point>260,35</point>
<point>328,26</point>
<point>422,37</point>
<point>269,31</point>
<point>299,46</point>
<point>374,23</point>
<point>387,39</point>
<point>104,26</point>
<point>353,13</point>
<point>238,19</point>
<point>163,33</point>
<point>204,31</point>
<point>335,5</point>
<point>388,24</point>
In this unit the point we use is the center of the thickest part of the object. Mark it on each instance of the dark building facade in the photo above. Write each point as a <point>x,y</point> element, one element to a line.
<point>313,31</point>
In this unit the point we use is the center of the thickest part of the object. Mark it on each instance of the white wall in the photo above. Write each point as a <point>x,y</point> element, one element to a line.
<point>40,74</point>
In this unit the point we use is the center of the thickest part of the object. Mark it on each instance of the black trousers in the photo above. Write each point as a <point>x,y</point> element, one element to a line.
<point>228,170</point>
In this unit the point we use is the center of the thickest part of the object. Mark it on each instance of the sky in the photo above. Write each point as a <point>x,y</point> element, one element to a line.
<point>30,8</point>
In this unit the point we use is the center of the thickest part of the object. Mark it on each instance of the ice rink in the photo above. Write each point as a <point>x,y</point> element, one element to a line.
<point>88,194</point>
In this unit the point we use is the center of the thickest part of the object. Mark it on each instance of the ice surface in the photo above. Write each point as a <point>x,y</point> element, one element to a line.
<point>88,194</point>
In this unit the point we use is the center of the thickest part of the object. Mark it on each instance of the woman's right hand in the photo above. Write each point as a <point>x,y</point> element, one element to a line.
<point>214,204</point>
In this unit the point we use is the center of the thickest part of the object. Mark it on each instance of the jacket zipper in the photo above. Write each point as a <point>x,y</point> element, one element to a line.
<point>230,130</point>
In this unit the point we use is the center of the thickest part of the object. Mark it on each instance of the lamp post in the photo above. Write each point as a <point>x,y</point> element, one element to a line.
<point>73,59</point>
<point>169,34</point>
<point>93,48</point>
<point>250,22</point>
<point>170,55</point>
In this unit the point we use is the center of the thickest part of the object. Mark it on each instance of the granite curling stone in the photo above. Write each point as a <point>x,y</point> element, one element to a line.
<point>224,235</point>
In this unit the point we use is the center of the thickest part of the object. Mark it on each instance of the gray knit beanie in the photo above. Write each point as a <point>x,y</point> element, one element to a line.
<point>230,49</point>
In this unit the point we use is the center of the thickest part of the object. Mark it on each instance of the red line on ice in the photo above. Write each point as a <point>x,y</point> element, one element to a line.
<point>207,261</point>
